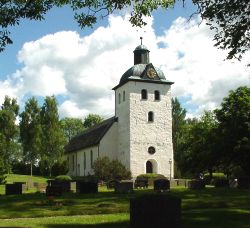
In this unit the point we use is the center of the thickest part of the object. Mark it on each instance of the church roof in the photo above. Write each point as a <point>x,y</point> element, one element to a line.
<point>90,137</point>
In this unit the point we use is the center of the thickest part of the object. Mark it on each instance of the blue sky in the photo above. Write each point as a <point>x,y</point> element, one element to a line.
<point>82,66</point>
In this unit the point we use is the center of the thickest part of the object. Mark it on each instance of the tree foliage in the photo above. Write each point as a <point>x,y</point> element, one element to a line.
<point>31,132</point>
<point>86,12</point>
<point>106,170</point>
<point>8,131</point>
<point>71,127</point>
<point>234,129</point>
<point>230,19</point>
<point>91,120</point>
<point>53,140</point>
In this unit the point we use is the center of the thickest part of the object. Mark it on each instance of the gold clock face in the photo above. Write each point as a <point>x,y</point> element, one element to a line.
<point>151,73</point>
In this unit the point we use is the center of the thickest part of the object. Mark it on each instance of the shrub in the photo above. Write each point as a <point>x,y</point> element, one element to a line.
<point>63,178</point>
<point>60,168</point>
<point>155,210</point>
<point>215,176</point>
<point>105,169</point>
<point>196,184</point>
<point>2,172</point>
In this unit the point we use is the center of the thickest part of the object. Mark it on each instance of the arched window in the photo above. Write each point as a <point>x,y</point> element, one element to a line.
<point>91,159</point>
<point>151,150</point>
<point>150,117</point>
<point>123,97</point>
<point>119,98</point>
<point>157,95</point>
<point>144,94</point>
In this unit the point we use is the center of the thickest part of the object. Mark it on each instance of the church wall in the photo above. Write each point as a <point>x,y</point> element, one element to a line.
<point>144,134</point>
<point>79,161</point>
<point>108,144</point>
<point>122,112</point>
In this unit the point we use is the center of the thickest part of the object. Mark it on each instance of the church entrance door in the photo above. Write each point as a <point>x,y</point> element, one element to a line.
<point>149,167</point>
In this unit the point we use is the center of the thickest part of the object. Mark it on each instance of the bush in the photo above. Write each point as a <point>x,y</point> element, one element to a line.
<point>63,178</point>
<point>155,210</point>
<point>60,168</point>
<point>105,170</point>
<point>215,177</point>
<point>2,173</point>
<point>196,184</point>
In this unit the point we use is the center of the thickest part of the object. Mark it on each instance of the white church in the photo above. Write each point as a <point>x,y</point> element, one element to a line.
<point>140,133</point>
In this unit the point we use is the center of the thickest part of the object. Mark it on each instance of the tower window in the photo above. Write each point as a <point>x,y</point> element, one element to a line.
<point>123,97</point>
<point>151,150</point>
<point>150,117</point>
<point>119,98</point>
<point>144,94</point>
<point>157,95</point>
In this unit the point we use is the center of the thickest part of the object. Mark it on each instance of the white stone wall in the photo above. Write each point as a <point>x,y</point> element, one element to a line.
<point>79,161</point>
<point>123,129</point>
<point>136,134</point>
<point>108,144</point>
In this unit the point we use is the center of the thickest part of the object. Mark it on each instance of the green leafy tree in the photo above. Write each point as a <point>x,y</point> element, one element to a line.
<point>71,127</point>
<point>31,132</point>
<point>3,171</point>
<point>106,170</point>
<point>199,148</point>
<point>53,139</point>
<point>8,131</point>
<point>86,12</point>
<point>178,127</point>
<point>231,22</point>
<point>91,120</point>
<point>234,129</point>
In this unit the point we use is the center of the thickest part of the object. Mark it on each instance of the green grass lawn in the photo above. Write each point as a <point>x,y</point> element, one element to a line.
<point>206,208</point>
<point>21,178</point>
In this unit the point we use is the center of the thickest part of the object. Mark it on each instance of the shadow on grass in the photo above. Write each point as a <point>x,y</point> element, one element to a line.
<point>103,225</point>
<point>216,218</point>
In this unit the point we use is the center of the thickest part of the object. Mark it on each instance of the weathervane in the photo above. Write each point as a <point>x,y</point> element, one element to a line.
<point>141,39</point>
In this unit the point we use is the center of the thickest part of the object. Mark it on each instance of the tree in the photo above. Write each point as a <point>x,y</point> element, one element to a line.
<point>86,12</point>
<point>178,126</point>
<point>234,130</point>
<point>71,127</point>
<point>53,140</point>
<point>199,152</point>
<point>231,22</point>
<point>91,120</point>
<point>8,131</point>
<point>31,132</point>
<point>106,170</point>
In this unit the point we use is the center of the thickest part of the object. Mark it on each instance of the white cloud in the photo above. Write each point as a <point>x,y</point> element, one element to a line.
<point>85,69</point>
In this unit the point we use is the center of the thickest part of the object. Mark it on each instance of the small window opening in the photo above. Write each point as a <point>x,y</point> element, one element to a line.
<point>119,98</point>
<point>150,117</point>
<point>144,94</point>
<point>157,95</point>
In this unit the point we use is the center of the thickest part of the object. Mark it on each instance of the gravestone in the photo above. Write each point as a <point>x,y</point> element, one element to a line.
<point>141,183</point>
<point>54,191</point>
<point>196,184</point>
<point>13,189</point>
<point>124,187</point>
<point>86,187</point>
<point>161,185</point>
<point>155,211</point>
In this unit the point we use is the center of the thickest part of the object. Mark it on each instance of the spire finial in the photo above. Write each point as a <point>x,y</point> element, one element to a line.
<point>141,39</point>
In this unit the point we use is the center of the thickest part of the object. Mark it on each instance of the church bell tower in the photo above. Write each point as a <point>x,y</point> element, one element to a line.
<point>143,108</point>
